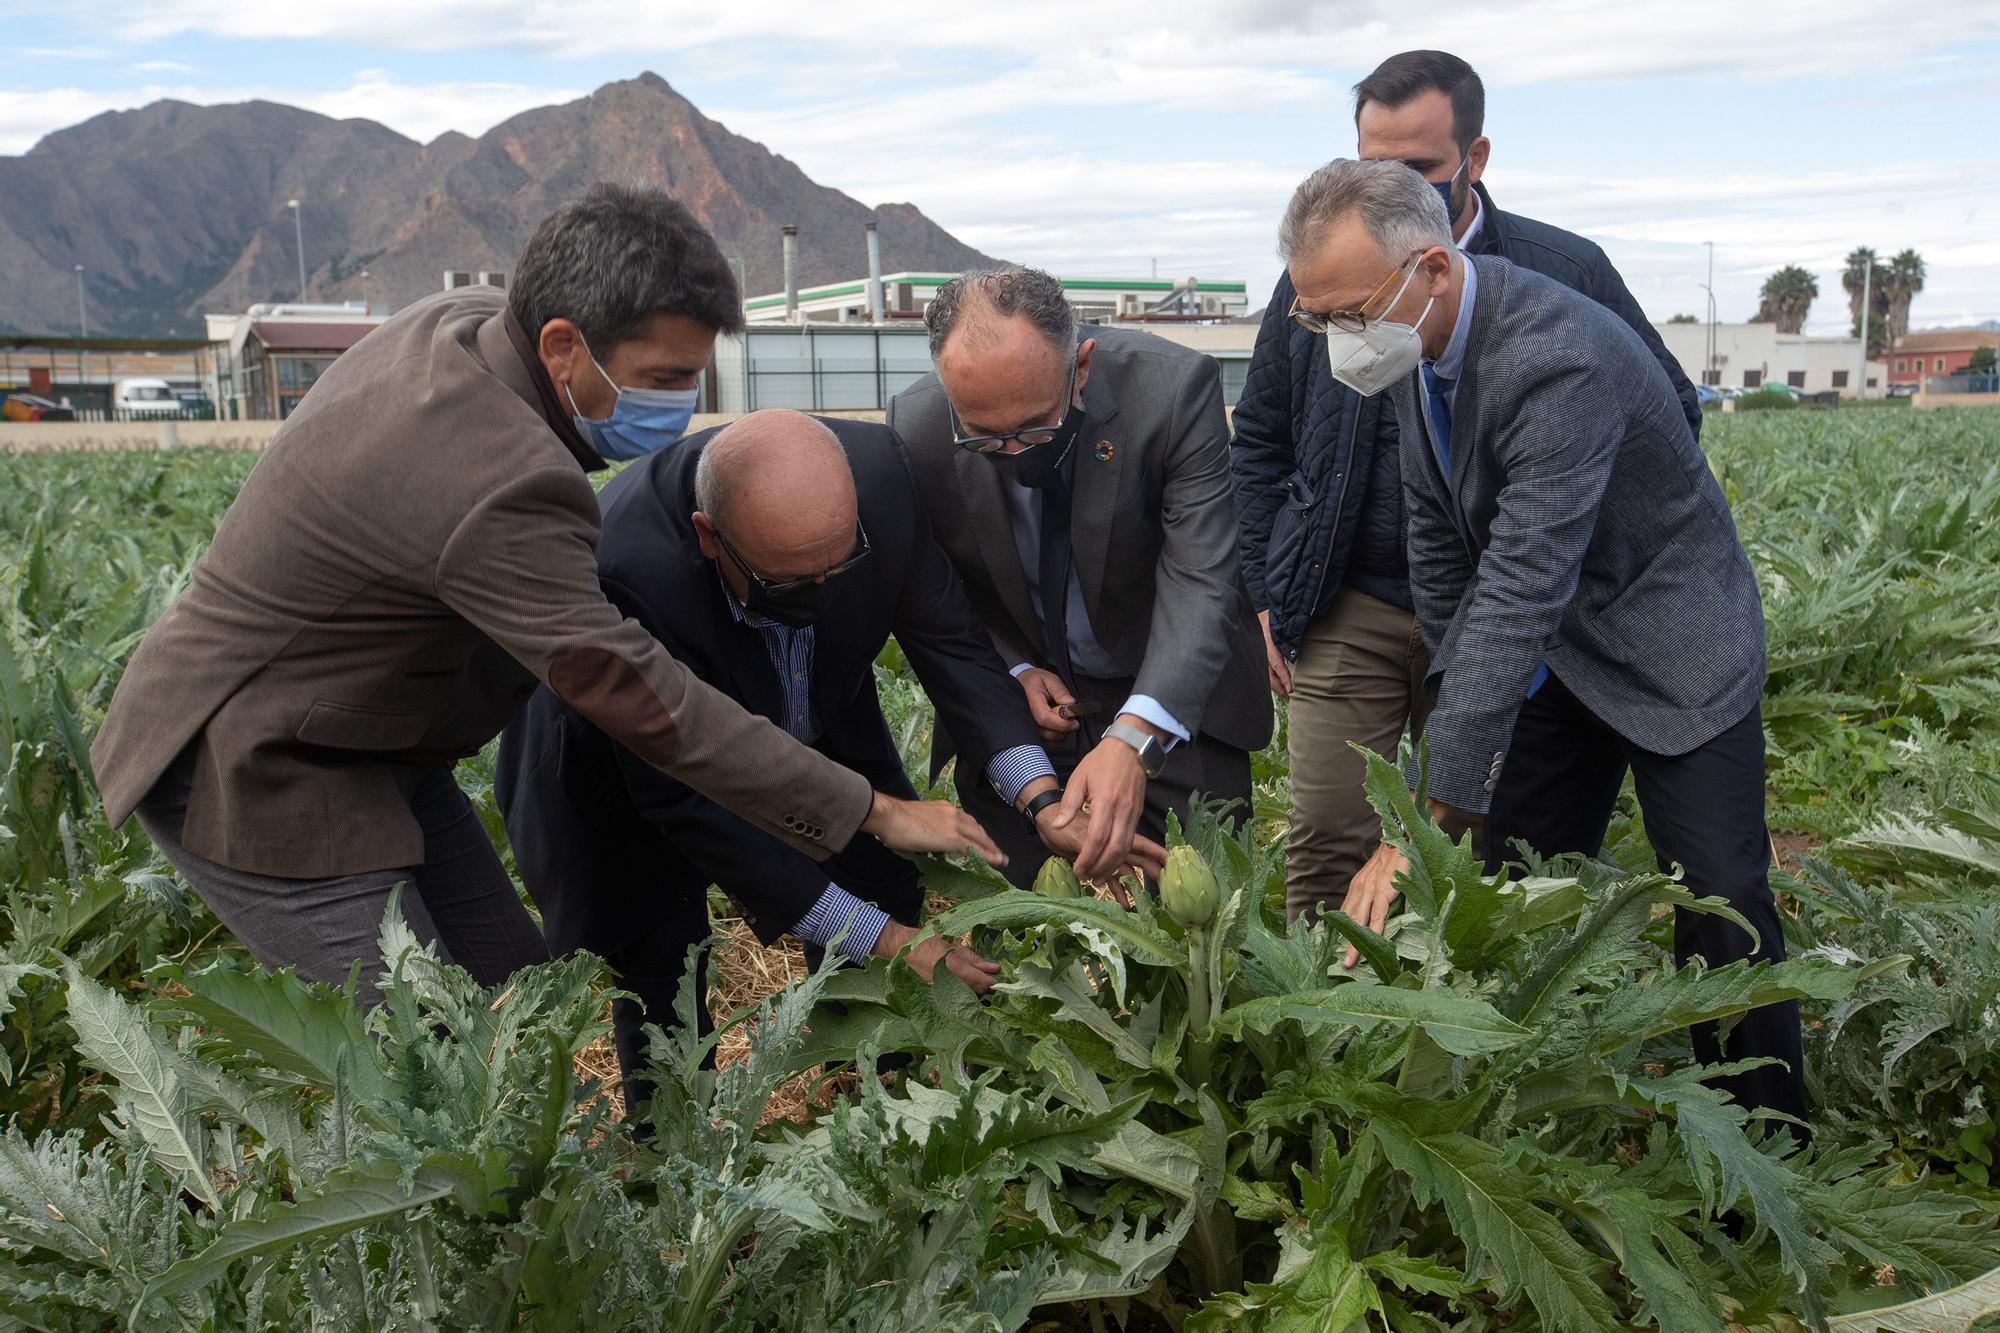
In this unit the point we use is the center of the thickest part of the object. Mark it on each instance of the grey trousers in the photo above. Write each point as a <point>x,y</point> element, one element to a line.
<point>1205,765</point>
<point>460,896</point>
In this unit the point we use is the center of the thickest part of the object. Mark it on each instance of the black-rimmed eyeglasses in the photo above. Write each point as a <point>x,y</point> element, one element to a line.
<point>1030,437</point>
<point>774,587</point>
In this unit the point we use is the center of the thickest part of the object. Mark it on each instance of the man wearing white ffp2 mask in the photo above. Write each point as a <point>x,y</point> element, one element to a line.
<point>1369,354</point>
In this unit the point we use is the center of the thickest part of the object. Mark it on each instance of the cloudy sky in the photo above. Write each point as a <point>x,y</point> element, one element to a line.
<point>1101,136</point>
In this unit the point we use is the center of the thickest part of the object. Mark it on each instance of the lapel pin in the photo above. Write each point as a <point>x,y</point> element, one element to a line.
<point>1104,451</point>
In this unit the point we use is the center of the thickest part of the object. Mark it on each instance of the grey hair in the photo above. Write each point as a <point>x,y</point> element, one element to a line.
<point>1034,295</point>
<point>612,258</point>
<point>1400,209</point>
<point>715,486</point>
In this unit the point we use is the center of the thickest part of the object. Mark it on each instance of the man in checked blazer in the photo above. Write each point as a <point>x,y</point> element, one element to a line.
<point>1575,569</point>
<point>1102,453</point>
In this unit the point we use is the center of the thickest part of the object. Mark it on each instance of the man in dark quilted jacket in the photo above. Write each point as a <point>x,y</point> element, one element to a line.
<point>1320,488</point>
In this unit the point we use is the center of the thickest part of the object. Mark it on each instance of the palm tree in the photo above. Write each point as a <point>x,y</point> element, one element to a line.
<point>1860,261</point>
<point>1904,279</point>
<point>1787,296</point>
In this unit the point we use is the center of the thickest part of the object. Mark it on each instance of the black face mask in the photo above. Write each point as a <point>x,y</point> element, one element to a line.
<point>793,602</point>
<point>797,607</point>
<point>1040,465</point>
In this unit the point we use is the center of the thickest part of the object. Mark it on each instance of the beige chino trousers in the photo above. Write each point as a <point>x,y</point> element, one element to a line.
<point>1359,678</point>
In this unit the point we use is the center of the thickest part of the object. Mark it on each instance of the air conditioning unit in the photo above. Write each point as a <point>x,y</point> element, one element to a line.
<point>454,278</point>
<point>492,277</point>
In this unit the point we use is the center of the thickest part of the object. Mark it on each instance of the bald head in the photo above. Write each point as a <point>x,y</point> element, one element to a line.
<point>776,484</point>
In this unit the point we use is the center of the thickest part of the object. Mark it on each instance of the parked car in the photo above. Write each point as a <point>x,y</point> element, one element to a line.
<point>1902,390</point>
<point>145,398</point>
<point>1708,395</point>
<point>29,407</point>
<point>196,405</point>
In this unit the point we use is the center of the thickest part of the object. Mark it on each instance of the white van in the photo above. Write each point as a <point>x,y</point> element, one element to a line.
<point>146,398</point>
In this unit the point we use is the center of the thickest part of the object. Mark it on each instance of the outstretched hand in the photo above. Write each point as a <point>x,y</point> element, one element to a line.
<point>929,826</point>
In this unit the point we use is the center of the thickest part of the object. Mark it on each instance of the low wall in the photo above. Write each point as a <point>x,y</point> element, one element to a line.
<point>58,437</point>
<point>101,437</point>
<point>1930,400</point>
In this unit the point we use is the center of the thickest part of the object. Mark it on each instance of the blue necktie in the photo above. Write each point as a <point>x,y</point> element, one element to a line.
<point>1439,407</point>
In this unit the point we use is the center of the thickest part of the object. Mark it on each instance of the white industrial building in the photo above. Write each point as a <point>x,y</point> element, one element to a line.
<point>1097,300</point>
<point>820,366</point>
<point>1750,356</point>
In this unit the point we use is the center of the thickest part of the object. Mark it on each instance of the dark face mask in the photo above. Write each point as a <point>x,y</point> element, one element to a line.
<point>797,607</point>
<point>797,602</point>
<point>1040,465</point>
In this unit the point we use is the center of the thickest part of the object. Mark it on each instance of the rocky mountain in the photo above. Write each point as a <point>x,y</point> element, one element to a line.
<point>176,209</point>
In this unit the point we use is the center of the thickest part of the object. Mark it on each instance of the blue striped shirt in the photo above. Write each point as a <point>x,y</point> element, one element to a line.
<point>835,910</point>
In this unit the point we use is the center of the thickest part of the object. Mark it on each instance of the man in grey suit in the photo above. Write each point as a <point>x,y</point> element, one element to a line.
<point>1081,487</point>
<point>1576,572</point>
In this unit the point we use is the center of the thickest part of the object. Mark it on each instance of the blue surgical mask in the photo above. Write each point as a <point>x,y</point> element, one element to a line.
<point>642,421</point>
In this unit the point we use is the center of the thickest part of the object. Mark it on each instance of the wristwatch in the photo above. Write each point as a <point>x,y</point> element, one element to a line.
<point>1040,802</point>
<point>1152,754</point>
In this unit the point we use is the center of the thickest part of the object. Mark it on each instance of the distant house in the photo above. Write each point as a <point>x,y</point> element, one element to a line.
<point>1750,356</point>
<point>1939,352</point>
<point>272,354</point>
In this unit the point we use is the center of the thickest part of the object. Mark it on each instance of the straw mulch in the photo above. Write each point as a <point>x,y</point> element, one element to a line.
<point>741,972</point>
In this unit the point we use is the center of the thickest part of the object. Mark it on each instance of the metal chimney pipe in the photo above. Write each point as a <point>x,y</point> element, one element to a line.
<point>874,274</point>
<point>791,275</point>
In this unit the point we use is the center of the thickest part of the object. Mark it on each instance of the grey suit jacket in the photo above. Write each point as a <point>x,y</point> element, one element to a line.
<point>1580,527</point>
<point>1153,525</point>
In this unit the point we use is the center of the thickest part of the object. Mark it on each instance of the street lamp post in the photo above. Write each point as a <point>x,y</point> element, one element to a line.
<point>299,234</point>
<point>1709,376</point>
<point>1710,367</point>
<point>364,291</point>
<point>82,331</point>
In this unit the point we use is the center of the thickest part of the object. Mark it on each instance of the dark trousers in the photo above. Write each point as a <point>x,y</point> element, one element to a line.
<point>1205,765</point>
<point>652,965</point>
<point>1703,810</point>
<point>459,896</point>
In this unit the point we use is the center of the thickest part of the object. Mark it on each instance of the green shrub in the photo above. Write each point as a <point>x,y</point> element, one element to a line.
<point>1771,398</point>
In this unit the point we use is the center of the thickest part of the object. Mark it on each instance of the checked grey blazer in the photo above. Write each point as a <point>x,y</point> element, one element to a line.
<point>1580,527</point>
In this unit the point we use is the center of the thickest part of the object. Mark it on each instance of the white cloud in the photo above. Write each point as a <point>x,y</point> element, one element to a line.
<point>942,106</point>
<point>421,111</point>
<point>1536,41</point>
<point>163,67</point>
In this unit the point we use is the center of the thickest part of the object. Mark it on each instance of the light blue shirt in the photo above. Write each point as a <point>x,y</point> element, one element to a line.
<point>1087,656</point>
<point>1449,367</point>
<point>1451,364</point>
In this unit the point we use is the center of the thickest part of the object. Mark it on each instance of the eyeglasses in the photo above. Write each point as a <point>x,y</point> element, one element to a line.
<point>1347,321</point>
<point>1033,435</point>
<point>771,587</point>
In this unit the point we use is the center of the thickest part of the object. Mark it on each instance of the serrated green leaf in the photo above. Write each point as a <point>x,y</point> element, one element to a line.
<point>1953,1311</point>
<point>1015,909</point>
<point>275,1018</point>
<point>1459,1024</point>
<point>357,1196</point>
<point>151,1096</point>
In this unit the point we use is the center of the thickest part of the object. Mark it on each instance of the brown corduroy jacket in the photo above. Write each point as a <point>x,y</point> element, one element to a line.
<point>413,551</point>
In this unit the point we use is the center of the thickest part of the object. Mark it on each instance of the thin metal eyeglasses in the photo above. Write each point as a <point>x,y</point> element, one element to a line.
<point>1030,437</point>
<point>770,587</point>
<point>1347,321</point>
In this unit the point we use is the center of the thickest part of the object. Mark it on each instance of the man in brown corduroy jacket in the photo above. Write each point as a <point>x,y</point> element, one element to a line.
<point>412,553</point>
